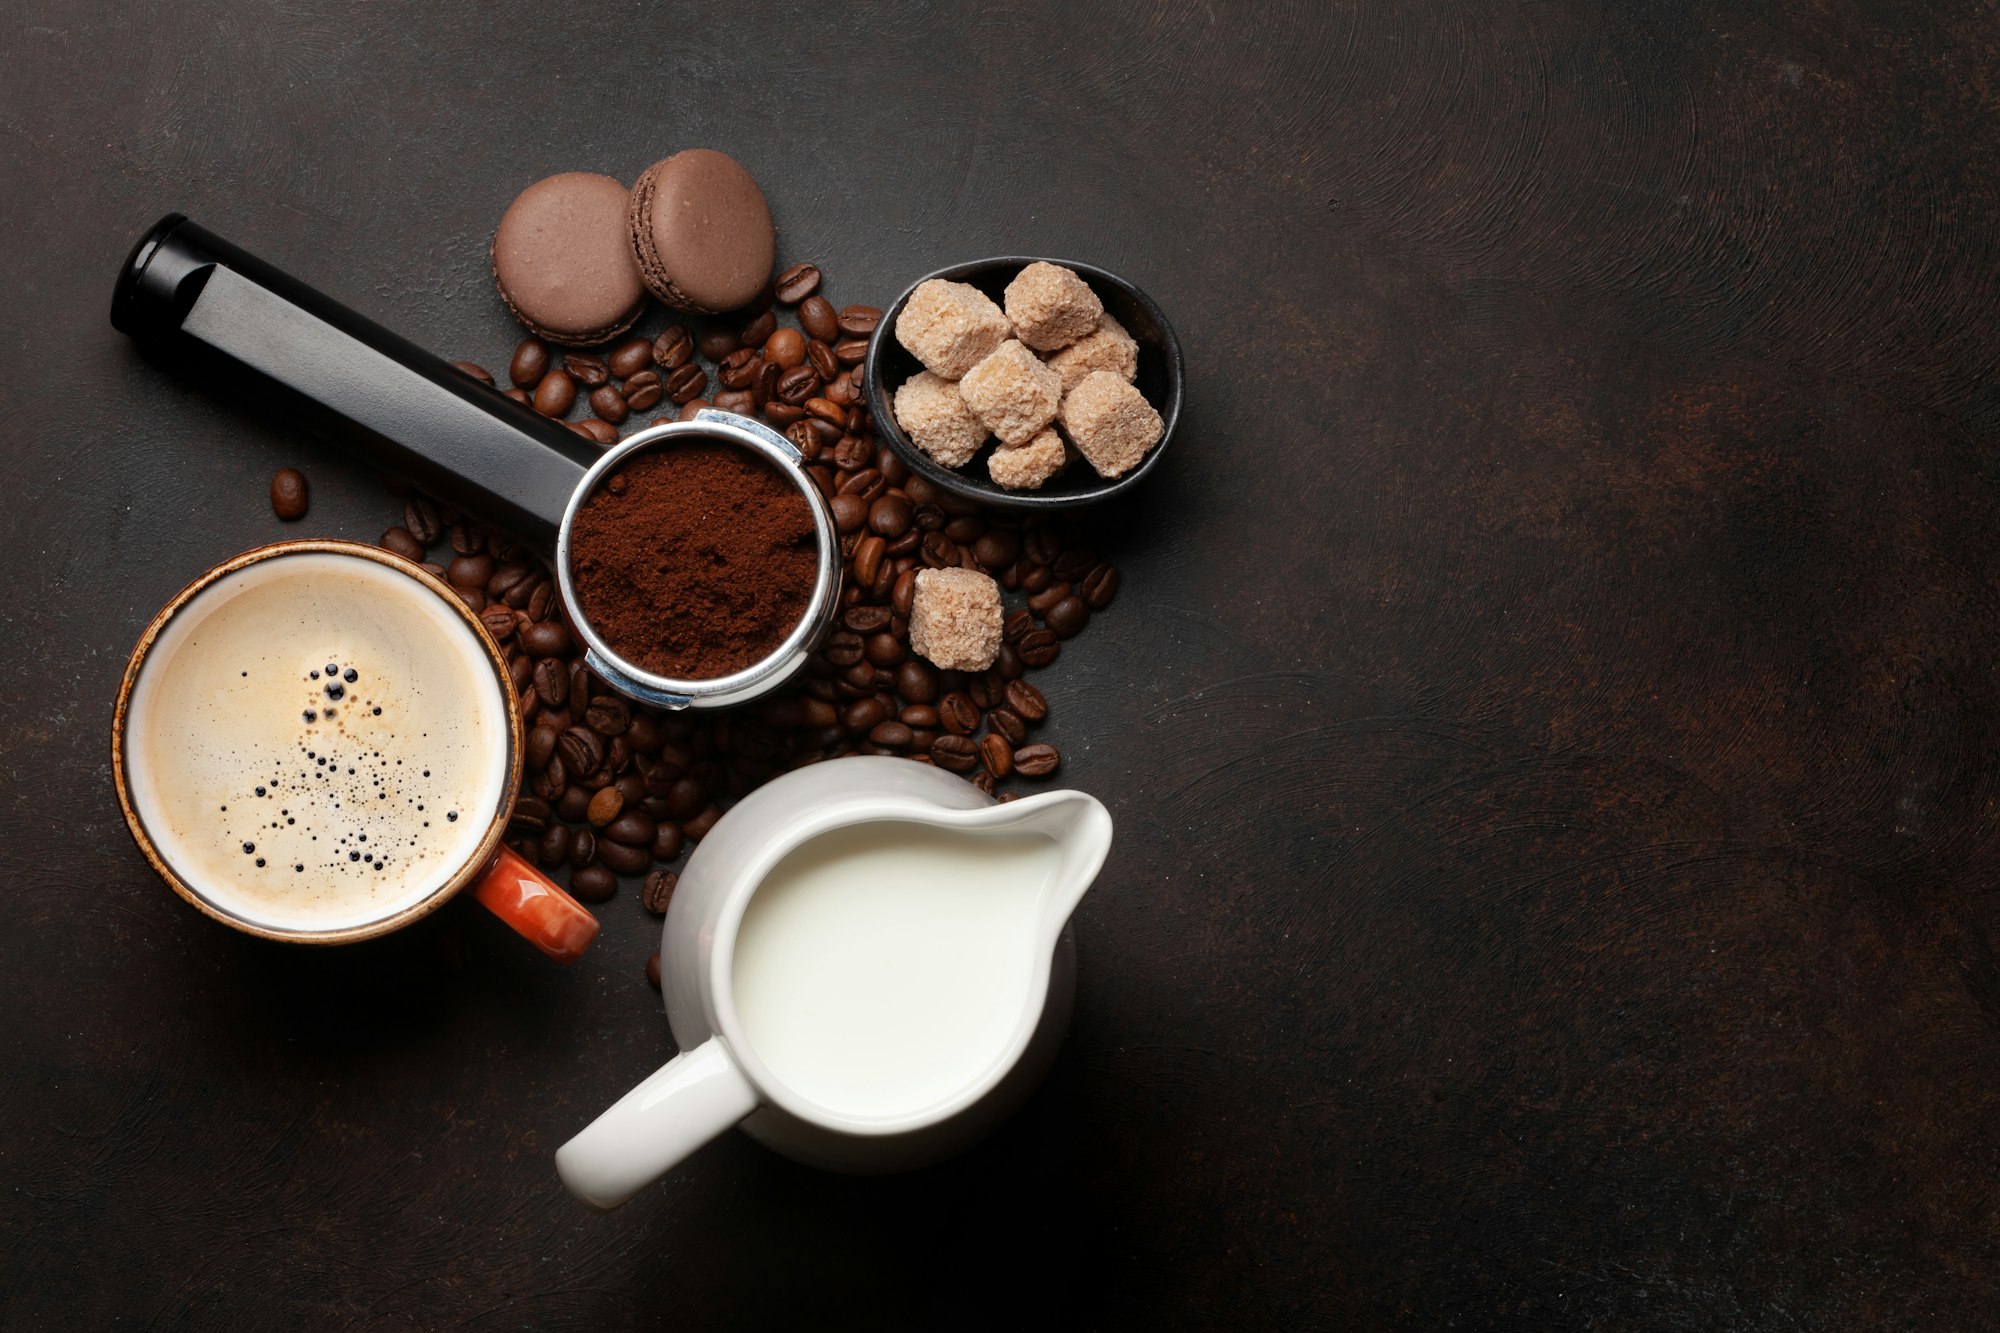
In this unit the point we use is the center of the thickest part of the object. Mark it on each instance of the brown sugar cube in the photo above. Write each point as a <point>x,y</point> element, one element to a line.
<point>1012,392</point>
<point>931,412</point>
<point>955,619</point>
<point>1110,422</point>
<point>1109,348</point>
<point>1050,307</point>
<point>950,326</point>
<point>1026,466</point>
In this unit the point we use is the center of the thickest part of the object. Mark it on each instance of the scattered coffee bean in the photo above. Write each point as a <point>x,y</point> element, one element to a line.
<point>658,891</point>
<point>644,391</point>
<point>480,373</point>
<point>996,754</point>
<point>758,329</point>
<point>288,494</point>
<point>593,884</point>
<point>1036,761</point>
<point>859,321</point>
<point>796,283</point>
<point>589,371</point>
<point>1067,618</point>
<point>556,394</point>
<point>687,383</point>
<point>624,859</point>
<point>605,806</point>
<point>548,638</point>
<point>530,363</point>
<point>630,357</point>
<point>398,541</point>
<point>653,970</point>
<point>1099,586</point>
<point>1008,723</point>
<point>583,848</point>
<point>1039,648</point>
<point>609,404</point>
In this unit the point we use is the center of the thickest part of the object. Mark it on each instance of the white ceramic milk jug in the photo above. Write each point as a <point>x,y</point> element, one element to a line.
<point>865,966</point>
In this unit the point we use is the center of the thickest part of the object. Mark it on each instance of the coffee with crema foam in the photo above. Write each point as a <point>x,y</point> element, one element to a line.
<point>315,742</point>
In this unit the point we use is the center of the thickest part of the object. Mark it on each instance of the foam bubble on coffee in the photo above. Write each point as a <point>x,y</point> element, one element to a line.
<point>316,741</point>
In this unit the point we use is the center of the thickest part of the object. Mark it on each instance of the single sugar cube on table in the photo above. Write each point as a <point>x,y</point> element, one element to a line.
<point>1012,392</point>
<point>1110,348</point>
<point>1026,466</point>
<point>931,412</point>
<point>950,326</point>
<point>1110,422</point>
<point>955,619</point>
<point>1050,306</point>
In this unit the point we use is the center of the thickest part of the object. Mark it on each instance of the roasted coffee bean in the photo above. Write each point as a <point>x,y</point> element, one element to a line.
<point>796,283</point>
<point>782,415</point>
<point>605,806</point>
<point>955,752</point>
<point>505,578</point>
<point>1041,545</point>
<point>581,750</point>
<point>1008,662</point>
<point>758,329</point>
<point>530,814</point>
<point>958,714</point>
<point>480,373</point>
<point>765,386</point>
<point>819,319</point>
<point>717,342</point>
<point>867,559</point>
<point>890,735</point>
<point>1020,622</point>
<point>740,401</point>
<point>552,681</point>
<point>644,734</point>
<point>686,798</point>
<point>982,780</point>
<point>997,548</point>
<point>905,592</point>
<point>467,540</point>
<point>939,551</point>
<point>786,349</point>
<point>851,453</point>
<point>609,404</point>
<point>1067,618</point>
<point>1035,578</point>
<point>593,884</point>
<point>687,383</point>
<point>541,597</point>
<point>1099,586</point>
<point>797,386</point>
<point>587,370</point>
<point>858,321</point>
<point>851,351</point>
<point>918,715</point>
<point>630,357</point>
<point>1008,723</point>
<point>830,412</point>
<point>634,828</point>
<point>739,368</point>
<point>698,827</point>
<point>866,483</point>
<point>843,649</point>
<point>541,744</point>
<point>1074,563</point>
<point>819,359</point>
<point>624,859</point>
<point>885,650</point>
<point>597,431</point>
<point>804,438</point>
<point>653,970</point>
<point>520,396</point>
<point>667,836</point>
<point>985,689</point>
<point>917,682</point>
<point>890,515</point>
<point>850,513</point>
<point>499,622</point>
<point>521,670</point>
<point>928,517</point>
<point>530,363</point>
<point>966,529</point>
<point>556,394</point>
<point>469,571</point>
<point>420,517</point>
<point>581,687</point>
<point>840,391</point>
<point>288,494</point>
<point>630,786</point>
<point>866,620</point>
<point>997,755</point>
<point>674,347</point>
<point>1036,761</point>
<point>644,391</point>
<point>863,715</point>
<point>1040,602</point>
<point>398,541</point>
<point>474,599</point>
<point>608,715</point>
<point>1039,649</point>
<point>658,891</point>
<point>572,803</point>
<point>555,845</point>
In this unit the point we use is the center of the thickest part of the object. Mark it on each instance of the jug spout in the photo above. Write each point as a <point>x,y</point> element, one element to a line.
<point>1080,827</point>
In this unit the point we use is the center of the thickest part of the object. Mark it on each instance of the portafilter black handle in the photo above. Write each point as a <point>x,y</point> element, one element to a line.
<point>196,302</point>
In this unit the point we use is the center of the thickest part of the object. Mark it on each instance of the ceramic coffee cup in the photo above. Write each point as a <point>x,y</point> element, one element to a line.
<point>317,742</point>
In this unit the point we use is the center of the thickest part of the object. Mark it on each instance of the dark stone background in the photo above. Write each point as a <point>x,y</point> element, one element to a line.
<point>1550,712</point>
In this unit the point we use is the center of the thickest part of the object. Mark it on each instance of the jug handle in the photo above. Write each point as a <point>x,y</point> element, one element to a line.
<point>689,1100</point>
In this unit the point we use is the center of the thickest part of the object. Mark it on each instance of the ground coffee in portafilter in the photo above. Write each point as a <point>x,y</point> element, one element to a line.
<point>694,561</point>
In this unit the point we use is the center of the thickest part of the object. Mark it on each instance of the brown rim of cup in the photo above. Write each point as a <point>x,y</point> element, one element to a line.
<point>489,843</point>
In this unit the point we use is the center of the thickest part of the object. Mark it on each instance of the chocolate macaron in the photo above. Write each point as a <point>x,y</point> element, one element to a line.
<point>701,232</point>
<point>563,260</point>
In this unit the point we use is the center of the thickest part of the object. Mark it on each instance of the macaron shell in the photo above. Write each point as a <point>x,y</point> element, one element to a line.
<point>701,232</point>
<point>562,261</point>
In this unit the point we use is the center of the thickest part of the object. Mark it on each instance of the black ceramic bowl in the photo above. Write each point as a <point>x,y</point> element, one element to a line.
<point>889,364</point>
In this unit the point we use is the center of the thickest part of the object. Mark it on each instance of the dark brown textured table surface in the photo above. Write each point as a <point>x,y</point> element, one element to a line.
<point>1549,715</point>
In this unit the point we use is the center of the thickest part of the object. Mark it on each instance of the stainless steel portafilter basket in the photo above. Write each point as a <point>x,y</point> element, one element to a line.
<point>199,304</point>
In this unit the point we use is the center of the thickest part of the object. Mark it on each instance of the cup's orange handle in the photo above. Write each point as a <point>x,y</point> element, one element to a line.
<point>535,905</point>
